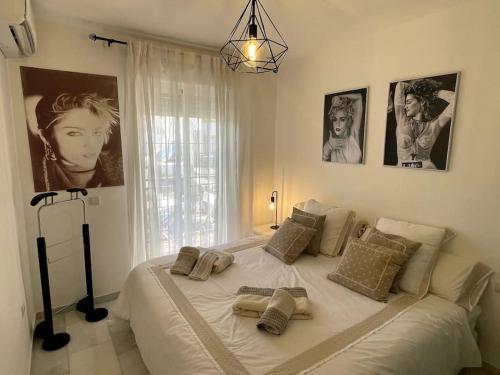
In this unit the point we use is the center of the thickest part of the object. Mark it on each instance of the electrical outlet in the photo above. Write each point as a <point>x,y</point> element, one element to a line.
<point>94,201</point>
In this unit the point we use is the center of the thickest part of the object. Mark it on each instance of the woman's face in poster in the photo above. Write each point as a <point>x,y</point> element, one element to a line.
<point>340,123</point>
<point>79,137</point>
<point>412,106</point>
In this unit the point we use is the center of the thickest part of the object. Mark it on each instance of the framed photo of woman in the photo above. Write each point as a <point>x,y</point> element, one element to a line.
<point>419,125</point>
<point>344,126</point>
<point>73,129</point>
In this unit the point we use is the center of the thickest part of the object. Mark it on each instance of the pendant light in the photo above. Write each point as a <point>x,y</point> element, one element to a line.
<point>255,46</point>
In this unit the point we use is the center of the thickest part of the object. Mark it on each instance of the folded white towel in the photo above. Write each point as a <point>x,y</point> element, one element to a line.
<point>252,302</point>
<point>203,266</point>
<point>186,259</point>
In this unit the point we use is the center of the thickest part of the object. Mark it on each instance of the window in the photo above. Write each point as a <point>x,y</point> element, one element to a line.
<point>184,164</point>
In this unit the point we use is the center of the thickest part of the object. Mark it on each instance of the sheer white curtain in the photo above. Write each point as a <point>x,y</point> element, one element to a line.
<point>188,166</point>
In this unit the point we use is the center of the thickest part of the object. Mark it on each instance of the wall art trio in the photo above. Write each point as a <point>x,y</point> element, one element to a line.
<point>420,115</point>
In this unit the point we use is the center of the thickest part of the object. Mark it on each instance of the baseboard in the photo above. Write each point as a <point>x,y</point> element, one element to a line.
<point>72,306</point>
<point>491,369</point>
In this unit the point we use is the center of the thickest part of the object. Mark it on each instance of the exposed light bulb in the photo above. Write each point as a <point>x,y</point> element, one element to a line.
<point>272,206</point>
<point>250,51</point>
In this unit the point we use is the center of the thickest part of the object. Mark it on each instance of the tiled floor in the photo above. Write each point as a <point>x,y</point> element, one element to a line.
<point>103,348</point>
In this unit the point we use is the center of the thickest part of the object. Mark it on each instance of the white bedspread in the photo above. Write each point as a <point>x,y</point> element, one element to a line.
<point>430,337</point>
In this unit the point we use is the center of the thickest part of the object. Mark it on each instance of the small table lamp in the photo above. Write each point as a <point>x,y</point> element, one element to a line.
<point>273,205</point>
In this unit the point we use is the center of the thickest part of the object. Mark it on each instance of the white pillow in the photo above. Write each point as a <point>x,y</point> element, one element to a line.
<point>336,227</point>
<point>417,276</point>
<point>459,280</point>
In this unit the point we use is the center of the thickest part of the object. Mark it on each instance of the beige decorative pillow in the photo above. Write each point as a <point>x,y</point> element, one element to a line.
<point>459,280</point>
<point>368,269</point>
<point>289,241</point>
<point>417,277</point>
<point>311,221</point>
<point>392,241</point>
<point>336,227</point>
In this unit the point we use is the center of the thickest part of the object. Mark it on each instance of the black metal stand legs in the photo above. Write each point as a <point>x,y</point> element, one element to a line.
<point>86,304</point>
<point>45,329</point>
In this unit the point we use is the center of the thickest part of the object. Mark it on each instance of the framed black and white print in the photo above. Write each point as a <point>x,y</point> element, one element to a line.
<point>344,126</point>
<point>419,124</point>
<point>73,129</point>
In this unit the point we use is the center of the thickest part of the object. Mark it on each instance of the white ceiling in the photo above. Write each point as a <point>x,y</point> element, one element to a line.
<point>208,22</point>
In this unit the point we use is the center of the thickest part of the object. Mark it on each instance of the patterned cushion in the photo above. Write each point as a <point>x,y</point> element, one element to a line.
<point>392,241</point>
<point>311,221</point>
<point>417,277</point>
<point>368,269</point>
<point>289,241</point>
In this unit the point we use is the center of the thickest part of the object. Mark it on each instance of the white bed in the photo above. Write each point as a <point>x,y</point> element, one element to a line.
<point>187,327</point>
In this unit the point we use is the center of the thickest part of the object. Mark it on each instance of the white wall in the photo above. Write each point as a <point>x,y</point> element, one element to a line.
<point>264,108</point>
<point>68,48</point>
<point>65,46</point>
<point>467,197</point>
<point>15,329</point>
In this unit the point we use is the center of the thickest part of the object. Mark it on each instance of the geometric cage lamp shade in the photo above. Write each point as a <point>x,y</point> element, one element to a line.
<point>255,45</point>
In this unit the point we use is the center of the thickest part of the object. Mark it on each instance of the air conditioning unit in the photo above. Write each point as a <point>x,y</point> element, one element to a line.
<point>17,28</point>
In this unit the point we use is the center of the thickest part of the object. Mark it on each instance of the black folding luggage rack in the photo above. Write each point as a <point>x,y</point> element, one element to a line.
<point>45,329</point>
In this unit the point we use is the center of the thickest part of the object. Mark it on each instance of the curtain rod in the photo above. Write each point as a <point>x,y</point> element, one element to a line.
<point>177,44</point>
<point>95,37</point>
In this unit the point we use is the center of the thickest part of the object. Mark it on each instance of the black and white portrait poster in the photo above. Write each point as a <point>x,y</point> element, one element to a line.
<point>73,128</point>
<point>344,124</point>
<point>419,124</point>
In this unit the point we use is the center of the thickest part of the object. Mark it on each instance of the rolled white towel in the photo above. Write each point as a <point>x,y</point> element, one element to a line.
<point>203,266</point>
<point>223,261</point>
<point>277,314</point>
